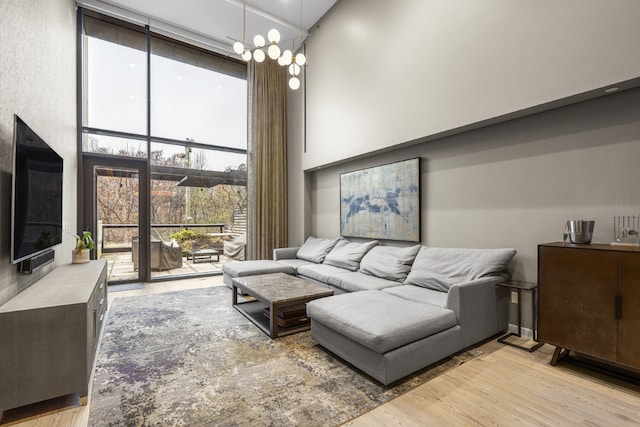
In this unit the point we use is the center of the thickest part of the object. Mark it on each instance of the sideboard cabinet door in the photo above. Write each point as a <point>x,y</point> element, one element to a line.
<point>629,322</point>
<point>577,290</point>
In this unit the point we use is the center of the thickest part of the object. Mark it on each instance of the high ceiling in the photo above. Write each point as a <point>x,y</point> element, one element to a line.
<point>222,20</point>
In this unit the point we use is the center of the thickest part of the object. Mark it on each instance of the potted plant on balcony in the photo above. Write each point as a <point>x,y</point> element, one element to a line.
<point>84,245</point>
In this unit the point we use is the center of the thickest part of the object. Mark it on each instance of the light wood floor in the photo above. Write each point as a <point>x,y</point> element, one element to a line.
<point>504,387</point>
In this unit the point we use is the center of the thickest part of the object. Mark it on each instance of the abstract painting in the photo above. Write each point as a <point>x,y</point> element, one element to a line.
<point>382,202</point>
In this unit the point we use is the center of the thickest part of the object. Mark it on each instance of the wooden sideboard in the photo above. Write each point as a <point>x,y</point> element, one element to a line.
<point>589,301</point>
<point>49,335</point>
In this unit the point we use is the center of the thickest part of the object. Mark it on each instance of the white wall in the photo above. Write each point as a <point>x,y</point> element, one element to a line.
<point>37,82</point>
<point>382,73</point>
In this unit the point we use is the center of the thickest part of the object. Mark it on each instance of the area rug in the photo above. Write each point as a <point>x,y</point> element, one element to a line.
<point>189,358</point>
<point>125,287</point>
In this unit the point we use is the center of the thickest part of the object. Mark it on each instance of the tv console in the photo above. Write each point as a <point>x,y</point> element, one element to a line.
<point>49,335</point>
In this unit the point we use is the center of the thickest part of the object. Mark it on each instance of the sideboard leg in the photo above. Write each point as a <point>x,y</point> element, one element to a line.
<point>558,354</point>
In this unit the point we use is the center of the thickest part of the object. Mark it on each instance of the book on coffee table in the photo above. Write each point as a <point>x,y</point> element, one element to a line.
<point>291,312</point>
<point>290,316</point>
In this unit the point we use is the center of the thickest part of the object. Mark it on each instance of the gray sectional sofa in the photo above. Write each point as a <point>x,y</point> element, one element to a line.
<point>396,309</point>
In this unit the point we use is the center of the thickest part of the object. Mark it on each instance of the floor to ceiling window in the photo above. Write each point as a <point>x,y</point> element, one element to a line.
<point>183,111</point>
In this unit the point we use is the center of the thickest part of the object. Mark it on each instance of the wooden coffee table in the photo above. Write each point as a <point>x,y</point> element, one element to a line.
<point>275,291</point>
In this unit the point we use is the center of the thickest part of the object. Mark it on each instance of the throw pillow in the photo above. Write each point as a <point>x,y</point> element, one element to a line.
<point>389,262</point>
<point>316,249</point>
<point>348,255</point>
<point>440,268</point>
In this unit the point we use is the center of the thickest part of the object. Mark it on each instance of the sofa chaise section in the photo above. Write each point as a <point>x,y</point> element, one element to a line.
<point>459,298</point>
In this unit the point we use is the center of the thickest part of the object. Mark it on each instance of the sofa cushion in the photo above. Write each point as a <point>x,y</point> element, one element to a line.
<point>440,268</point>
<point>319,272</point>
<point>419,294</point>
<point>294,263</point>
<point>315,249</point>
<point>389,262</point>
<point>378,320</point>
<point>250,268</point>
<point>346,254</point>
<point>354,281</point>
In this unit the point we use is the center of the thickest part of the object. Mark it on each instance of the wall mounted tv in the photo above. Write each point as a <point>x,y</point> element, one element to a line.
<point>37,195</point>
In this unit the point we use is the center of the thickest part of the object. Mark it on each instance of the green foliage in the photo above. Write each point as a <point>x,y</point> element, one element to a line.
<point>183,235</point>
<point>85,241</point>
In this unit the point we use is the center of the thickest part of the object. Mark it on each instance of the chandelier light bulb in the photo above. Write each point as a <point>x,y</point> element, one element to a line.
<point>281,61</point>
<point>300,59</point>
<point>246,55</point>
<point>294,69</point>
<point>287,57</point>
<point>258,55</point>
<point>294,83</point>
<point>238,48</point>
<point>258,41</point>
<point>273,35</point>
<point>273,51</point>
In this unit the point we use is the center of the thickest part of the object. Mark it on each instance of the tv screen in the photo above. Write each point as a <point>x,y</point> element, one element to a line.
<point>37,194</point>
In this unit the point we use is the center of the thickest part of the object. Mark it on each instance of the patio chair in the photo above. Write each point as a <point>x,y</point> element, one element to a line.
<point>164,256</point>
<point>235,248</point>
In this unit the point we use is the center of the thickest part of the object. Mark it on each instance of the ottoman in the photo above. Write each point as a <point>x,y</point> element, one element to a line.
<point>234,269</point>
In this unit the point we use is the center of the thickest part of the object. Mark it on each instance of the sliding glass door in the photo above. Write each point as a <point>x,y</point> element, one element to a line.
<point>114,209</point>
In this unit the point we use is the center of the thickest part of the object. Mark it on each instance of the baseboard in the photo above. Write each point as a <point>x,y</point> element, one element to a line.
<point>526,332</point>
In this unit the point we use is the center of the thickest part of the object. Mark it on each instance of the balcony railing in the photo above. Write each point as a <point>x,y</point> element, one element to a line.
<point>118,237</point>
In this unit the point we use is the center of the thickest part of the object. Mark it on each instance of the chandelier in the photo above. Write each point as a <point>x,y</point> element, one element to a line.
<point>261,50</point>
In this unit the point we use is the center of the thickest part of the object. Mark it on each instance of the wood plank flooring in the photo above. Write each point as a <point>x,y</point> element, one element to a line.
<point>504,387</point>
<point>511,387</point>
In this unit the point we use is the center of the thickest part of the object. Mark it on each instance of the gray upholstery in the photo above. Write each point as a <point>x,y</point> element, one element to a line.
<point>353,281</point>
<point>481,308</point>
<point>439,268</point>
<point>295,263</point>
<point>285,253</point>
<point>395,364</point>
<point>480,313</point>
<point>315,249</point>
<point>389,262</point>
<point>234,269</point>
<point>389,329</point>
<point>347,255</point>
<point>319,272</point>
<point>379,321</point>
<point>419,294</point>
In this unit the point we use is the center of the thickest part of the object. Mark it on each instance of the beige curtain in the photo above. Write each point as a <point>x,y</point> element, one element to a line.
<point>267,225</point>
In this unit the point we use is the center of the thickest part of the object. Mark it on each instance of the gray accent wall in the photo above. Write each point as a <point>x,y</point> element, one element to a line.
<point>37,82</point>
<point>514,184</point>
<point>515,133</point>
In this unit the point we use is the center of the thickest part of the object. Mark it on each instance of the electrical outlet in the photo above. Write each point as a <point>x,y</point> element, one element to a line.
<point>514,297</point>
